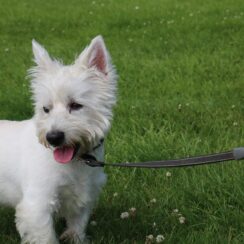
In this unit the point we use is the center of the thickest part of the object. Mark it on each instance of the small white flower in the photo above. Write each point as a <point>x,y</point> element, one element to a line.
<point>233,106</point>
<point>124,215</point>
<point>93,223</point>
<point>160,238</point>
<point>115,194</point>
<point>179,106</point>
<point>175,210</point>
<point>137,7</point>
<point>235,123</point>
<point>149,238</point>
<point>168,174</point>
<point>132,210</point>
<point>6,49</point>
<point>182,220</point>
<point>153,200</point>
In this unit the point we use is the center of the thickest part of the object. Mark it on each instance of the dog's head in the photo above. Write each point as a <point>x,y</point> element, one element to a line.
<point>73,103</point>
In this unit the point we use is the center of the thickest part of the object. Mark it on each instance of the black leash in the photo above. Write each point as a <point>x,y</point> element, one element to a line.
<point>235,154</point>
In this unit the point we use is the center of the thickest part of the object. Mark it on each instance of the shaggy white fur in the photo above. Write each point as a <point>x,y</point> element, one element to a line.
<point>40,173</point>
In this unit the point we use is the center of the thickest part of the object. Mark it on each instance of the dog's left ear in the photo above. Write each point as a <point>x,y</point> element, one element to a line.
<point>95,55</point>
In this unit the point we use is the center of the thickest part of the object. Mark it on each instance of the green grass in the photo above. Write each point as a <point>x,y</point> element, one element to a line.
<point>169,54</point>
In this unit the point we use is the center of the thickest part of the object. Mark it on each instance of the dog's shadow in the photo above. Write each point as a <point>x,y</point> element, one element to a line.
<point>111,228</point>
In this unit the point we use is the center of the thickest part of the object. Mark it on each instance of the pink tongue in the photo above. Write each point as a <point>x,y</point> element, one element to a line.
<point>63,154</point>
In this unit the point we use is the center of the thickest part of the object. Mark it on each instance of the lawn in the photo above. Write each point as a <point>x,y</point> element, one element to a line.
<point>181,92</point>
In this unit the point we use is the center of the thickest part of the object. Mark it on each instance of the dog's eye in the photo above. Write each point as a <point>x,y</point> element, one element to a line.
<point>46,110</point>
<point>75,106</point>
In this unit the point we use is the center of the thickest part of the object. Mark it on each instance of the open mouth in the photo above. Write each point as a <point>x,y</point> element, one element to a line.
<point>65,153</point>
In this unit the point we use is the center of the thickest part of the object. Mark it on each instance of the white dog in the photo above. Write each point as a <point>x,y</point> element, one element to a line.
<point>40,168</point>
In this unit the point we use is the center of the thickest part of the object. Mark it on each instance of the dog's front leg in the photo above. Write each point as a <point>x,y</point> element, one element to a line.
<point>76,226</point>
<point>34,221</point>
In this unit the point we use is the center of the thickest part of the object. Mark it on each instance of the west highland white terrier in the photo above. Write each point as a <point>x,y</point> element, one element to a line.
<point>41,172</point>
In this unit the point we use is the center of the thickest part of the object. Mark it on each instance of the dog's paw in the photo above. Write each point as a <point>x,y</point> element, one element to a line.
<point>70,236</point>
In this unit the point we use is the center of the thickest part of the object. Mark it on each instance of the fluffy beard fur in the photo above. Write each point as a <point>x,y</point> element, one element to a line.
<point>30,179</point>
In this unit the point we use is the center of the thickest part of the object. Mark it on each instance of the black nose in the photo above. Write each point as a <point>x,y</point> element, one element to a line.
<point>55,138</point>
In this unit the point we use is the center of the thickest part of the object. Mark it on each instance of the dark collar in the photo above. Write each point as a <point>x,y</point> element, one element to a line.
<point>89,158</point>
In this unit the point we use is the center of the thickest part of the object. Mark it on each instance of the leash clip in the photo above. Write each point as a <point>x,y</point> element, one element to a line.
<point>91,161</point>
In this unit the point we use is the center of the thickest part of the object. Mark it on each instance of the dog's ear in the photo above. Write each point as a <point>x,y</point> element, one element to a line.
<point>41,56</point>
<point>95,55</point>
